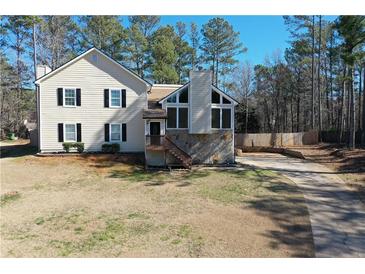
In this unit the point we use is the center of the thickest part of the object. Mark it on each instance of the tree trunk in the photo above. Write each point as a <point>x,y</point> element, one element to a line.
<point>363,110</point>
<point>312,103</point>
<point>215,70</point>
<point>328,116</point>
<point>34,52</point>
<point>291,113</point>
<point>359,111</point>
<point>319,80</point>
<point>246,122</point>
<point>331,81</point>
<point>341,119</point>
<point>348,117</point>
<point>352,112</point>
<point>298,113</point>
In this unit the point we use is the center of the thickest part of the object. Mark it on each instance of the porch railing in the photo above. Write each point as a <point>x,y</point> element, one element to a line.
<point>155,140</point>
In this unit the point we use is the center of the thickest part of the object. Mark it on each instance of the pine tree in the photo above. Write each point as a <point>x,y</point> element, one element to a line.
<point>164,56</point>
<point>183,51</point>
<point>195,44</point>
<point>220,46</point>
<point>106,33</point>
<point>20,28</point>
<point>352,30</point>
<point>139,43</point>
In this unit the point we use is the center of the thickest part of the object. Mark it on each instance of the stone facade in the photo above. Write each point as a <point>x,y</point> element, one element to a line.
<point>214,148</point>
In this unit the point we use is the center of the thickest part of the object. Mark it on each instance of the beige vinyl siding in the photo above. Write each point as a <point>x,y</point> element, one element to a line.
<point>200,102</point>
<point>93,77</point>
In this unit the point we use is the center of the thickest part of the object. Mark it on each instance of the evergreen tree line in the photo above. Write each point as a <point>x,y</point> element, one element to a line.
<point>316,84</point>
<point>158,53</point>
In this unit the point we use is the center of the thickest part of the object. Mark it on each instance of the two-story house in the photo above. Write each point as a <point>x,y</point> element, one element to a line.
<point>95,100</point>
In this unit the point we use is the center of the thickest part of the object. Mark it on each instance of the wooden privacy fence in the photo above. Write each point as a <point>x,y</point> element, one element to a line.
<point>275,139</point>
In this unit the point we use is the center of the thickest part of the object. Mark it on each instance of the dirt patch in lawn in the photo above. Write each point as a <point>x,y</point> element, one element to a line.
<point>101,207</point>
<point>348,164</point>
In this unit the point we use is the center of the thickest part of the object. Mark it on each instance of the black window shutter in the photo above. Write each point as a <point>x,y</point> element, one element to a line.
<point>106,132</point>
<point>106,98</point>
<point>124,132</point>
<point>60,96</point>
<point>60,132</point>
<point>124,102</point>
<point>78,126</point>
<point>78,97</point>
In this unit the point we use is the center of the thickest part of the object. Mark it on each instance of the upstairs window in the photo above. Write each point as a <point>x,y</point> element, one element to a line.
<point>180,97</point>
<point>225,101</point>
<point>70,97</point>
<point>115,98</point>
<point>219,99</point>
<point>172,99</point>
<point>183,96</point>
<point>216,98</point>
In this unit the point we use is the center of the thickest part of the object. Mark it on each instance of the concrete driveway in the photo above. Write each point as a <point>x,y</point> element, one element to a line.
<point>337,216</point>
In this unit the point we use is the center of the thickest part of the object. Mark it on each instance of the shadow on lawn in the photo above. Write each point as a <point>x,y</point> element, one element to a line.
<point>284,211</point>
<point>17,151</point>
<point>286,206</point>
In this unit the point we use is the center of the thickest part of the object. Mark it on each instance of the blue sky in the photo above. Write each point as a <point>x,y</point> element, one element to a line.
<point>262,35</point>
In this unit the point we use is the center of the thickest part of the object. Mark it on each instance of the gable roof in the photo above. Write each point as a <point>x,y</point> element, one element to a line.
<point>82,55</point>
<point>230,98</point>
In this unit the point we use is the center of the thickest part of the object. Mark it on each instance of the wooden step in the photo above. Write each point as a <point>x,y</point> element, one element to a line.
<point>178,153</point>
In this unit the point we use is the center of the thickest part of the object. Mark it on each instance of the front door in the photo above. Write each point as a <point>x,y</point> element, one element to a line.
<point>155,133</point>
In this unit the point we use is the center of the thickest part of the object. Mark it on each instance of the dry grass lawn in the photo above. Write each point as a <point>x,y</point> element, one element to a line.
<point>100,206</point>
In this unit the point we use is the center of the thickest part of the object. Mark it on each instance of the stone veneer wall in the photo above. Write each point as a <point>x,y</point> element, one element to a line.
<point>214,148</point>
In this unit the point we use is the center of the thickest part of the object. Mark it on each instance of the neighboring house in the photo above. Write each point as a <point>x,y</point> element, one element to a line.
<point>95,100</point>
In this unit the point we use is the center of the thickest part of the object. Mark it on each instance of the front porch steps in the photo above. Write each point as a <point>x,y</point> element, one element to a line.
<point>178,153</point>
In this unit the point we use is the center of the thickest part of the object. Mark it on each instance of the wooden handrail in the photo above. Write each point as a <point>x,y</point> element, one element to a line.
<point>154,135</point>
<point>176,146</point>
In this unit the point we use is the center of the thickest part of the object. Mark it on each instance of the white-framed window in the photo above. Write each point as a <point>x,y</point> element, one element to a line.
<point>115,98</point>
<point>115,132</point>
<point>221,118</point>
<point>177,107</point>
<point>180,97</point>
<point>70,133</point>
<point>69,97</point>
<point>177,117</point>
<point>218,99</point>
